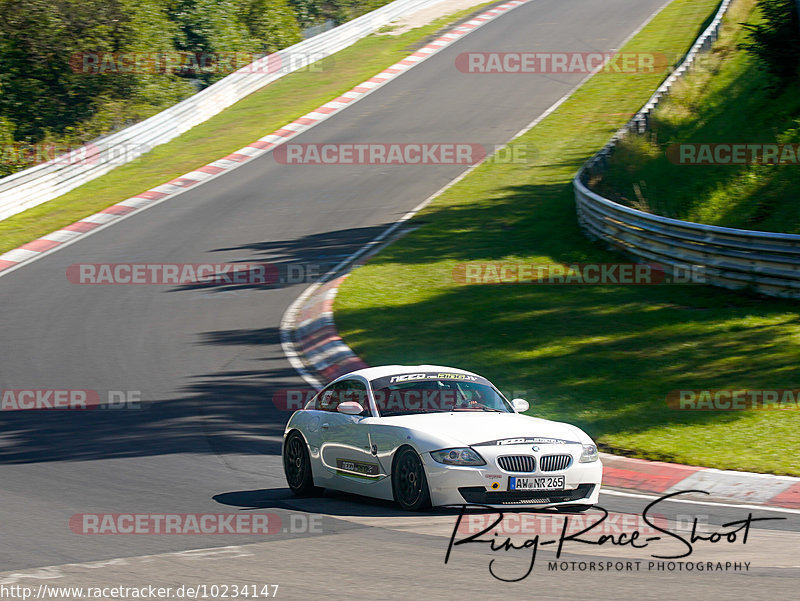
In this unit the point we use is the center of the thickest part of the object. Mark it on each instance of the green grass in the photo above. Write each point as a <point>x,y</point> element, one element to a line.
<point>602,357</point>
<point>729,100</point>
<point>249,119</point>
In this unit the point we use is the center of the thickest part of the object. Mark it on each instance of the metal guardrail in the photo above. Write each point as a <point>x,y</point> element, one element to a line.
<point>766,262</point>
<point>38,184</point>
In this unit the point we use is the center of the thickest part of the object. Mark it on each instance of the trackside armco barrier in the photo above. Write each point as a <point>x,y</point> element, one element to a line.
<point>763,261</point>
<point>31,187</point>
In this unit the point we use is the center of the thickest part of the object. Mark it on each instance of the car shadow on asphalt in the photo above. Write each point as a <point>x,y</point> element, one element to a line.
<point>239,411</point>
<point>335,503</point>
<point>329,502</point>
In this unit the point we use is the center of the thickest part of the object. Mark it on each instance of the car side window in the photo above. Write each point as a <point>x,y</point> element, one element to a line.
<point>326,400</point>
<point>344,390</point>
<point>356,391</point>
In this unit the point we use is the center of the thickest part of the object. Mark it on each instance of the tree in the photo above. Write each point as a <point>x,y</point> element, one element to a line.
<point>272,23</point>
<point>219,28</point>
<point>43,90</point>
<point>776,40</point>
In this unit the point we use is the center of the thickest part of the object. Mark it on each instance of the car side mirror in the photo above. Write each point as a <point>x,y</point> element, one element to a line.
<point>520,405</point>
<point>350,408</point>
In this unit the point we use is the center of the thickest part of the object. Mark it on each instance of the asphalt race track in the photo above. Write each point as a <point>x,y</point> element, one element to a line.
<point>207,362</point>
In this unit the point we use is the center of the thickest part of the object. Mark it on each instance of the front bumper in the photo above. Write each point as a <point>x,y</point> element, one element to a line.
<point>488,484</point>
<point>529,498</point>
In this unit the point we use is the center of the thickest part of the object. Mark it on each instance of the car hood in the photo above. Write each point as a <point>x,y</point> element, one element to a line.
<point>473,428</point>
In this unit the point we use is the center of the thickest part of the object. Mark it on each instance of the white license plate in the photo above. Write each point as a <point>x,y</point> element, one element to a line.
<point>545,483</point>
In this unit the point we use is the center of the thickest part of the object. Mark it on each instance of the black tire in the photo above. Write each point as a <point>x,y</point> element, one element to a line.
<point>573,508</point>
<point>409,484</point>
<point>297,466</point>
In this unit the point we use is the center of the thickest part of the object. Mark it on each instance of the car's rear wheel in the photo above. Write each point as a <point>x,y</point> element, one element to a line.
<point>297,466</point>
<point>409,484</point>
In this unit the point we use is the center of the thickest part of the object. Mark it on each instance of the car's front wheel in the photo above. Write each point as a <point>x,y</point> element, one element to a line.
<point>297,466</point>
<point>409,484</point>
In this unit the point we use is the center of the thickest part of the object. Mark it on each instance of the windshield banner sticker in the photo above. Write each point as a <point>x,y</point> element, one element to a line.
<point>525,440</point>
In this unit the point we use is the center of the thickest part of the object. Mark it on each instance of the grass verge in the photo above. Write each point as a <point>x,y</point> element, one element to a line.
<point>602,357</point>
<point>255,116</point>
<point>728,100</point>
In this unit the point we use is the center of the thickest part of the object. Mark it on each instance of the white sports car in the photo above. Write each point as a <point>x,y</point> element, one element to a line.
<point>431,435</point>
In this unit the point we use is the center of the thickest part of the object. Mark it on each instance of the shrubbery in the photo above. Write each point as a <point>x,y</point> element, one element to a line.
<point>776,40</point>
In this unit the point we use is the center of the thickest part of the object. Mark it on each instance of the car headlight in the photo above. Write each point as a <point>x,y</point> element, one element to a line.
<point>465,456</point>
<point>589,453</point>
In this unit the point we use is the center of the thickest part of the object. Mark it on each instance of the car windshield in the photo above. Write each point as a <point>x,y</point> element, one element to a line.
<point>404,394</point>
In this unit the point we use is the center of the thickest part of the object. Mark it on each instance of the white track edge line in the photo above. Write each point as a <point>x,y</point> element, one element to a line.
<point>619,493</point>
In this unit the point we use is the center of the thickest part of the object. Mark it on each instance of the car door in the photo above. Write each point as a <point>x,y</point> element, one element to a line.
<point>345,449</point>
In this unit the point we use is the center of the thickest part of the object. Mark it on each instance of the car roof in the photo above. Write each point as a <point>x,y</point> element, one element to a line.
<point>372,373</point>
